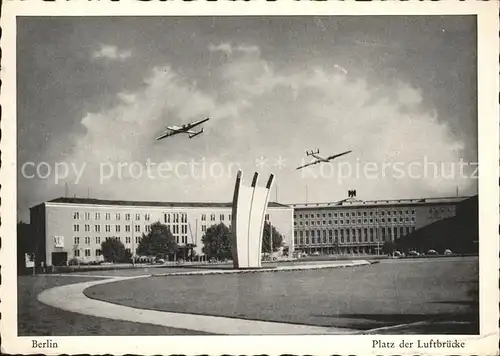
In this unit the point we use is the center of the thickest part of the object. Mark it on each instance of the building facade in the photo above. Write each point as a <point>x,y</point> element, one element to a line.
<point>353,226</point>
<point>74,228</point>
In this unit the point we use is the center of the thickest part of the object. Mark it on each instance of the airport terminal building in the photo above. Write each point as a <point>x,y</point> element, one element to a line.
<point>353,226</point>
<point>67,228</point>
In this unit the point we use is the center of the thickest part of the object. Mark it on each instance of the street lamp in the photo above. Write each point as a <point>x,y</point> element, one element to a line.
<point>133,244</point>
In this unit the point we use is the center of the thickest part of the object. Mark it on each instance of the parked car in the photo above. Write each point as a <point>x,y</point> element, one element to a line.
<point>159,261</point>
<point>413,253</point>
<point>447,252</point>
<point>315,253</point>
<point>397,254</point>
<point>432,252</point>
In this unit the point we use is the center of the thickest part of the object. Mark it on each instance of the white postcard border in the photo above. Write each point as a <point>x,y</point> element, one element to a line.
<point>488,127</point>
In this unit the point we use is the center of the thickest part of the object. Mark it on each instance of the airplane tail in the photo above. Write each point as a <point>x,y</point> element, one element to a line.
<point>196,134</point>
<point>312,152</point>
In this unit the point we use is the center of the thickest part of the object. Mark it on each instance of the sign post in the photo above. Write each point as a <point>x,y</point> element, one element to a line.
<point>29,259</point>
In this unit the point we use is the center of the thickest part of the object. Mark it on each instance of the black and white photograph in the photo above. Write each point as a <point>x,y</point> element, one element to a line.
<point>252,175</point>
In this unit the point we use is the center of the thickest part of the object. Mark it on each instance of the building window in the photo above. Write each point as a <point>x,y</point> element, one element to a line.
<point>87,216</point>
<point>98,216</point>
<point>97,228</point>
<point>107,216</point>
<point>76,215</point>
<point>117,216</point>
<point>76,253</point>
<point>203,228</point>
<point>127,217</point>
<point>127,228</point>
<point>87,227</point>
<point>87,240</point>
<point>87,252</point>
<point>267,217</point>
<point>107,228</point>
<point>203,217</point>
<point>347,221</point>
<point>98,240</point>
<point>329,215</point>
<point>76,227</point>
<point>137,228</point>
<point>127,239</point>
<point>137,239</point>
<point>212,217</point>
<point>98,252</point>
<point>117,228</point>
<point>138,217</point>
<point>221,217</point>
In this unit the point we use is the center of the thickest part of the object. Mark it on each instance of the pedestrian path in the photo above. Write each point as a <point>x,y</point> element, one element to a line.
<point>71,298</point>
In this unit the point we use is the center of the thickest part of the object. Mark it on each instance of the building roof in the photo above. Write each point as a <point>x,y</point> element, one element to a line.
<point>89,201</point>
<point>391,202</point>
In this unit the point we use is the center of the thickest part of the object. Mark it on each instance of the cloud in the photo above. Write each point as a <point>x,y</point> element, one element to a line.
<point>222,47</point>
<point>260,108</point>
<point>229,49</point>
<point>111,52</point>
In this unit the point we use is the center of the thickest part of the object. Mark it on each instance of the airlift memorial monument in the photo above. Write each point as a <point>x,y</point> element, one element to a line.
<point>247,225</point>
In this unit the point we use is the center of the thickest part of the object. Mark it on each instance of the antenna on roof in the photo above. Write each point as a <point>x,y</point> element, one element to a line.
<point>88,192</point>
<point>66,189</point>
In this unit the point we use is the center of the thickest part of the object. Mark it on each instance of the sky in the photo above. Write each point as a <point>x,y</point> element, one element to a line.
<point>400,92</point>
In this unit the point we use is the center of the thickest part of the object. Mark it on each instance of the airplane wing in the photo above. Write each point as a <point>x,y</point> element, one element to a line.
<point>308,164</point>
<point>338,155</point>
<point>196,123</point>
<point>167,134</point>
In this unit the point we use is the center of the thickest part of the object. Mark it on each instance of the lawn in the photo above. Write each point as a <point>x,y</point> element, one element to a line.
<point>37,319</point>
<point>384,294</point>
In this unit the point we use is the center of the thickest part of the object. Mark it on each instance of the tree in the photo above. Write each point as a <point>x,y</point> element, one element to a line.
<point>266,240</point>
<point>113,250</point>
<point>388,247</point>
<point>158,242</point>
<point>217,242</point>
